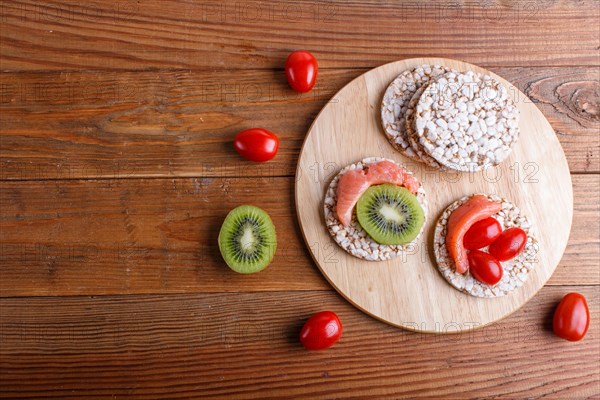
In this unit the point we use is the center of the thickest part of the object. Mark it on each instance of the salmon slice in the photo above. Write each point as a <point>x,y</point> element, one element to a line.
<point>354,183</point>
<point>388,172</point>
<point>475,209</point>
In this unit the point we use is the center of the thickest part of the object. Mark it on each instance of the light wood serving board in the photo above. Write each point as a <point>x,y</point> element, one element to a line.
<point>409,292</point>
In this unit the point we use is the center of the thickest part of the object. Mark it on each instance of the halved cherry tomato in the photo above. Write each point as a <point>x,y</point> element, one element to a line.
<point>509,244</point>
<point>256,144</point>
<point>321,331</point>
<point>301,70</point>
<point>482,233</point>
<point>572,317</point>
<point>484,267</point>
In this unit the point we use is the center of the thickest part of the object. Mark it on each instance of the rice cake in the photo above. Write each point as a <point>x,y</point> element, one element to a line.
<point>395,103</point>
<point>515,271</point>
<point>413,139</point>
<point>467,121</point>
<point>353,238</point>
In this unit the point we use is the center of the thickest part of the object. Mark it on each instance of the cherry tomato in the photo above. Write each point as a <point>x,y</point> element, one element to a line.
<point>484,267</point>
<point>256,144</point>
<point>321,331</point>
<point>572,317</point>
<point>482,233</point>
<point>509,244</point>
<point>301,70</point>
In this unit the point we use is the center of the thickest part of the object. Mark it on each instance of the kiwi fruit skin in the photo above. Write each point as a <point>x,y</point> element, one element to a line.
<point>252,225</point>
<point>382,229</point>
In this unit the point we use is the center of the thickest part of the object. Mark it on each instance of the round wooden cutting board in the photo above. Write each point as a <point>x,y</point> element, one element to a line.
<point>409,292</point>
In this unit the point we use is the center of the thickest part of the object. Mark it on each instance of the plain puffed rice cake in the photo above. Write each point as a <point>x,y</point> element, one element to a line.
<point>467,121</point>
<point>515,271</point>
<point>353,238</point>
<point>413,139</point>
<point>395,103</point>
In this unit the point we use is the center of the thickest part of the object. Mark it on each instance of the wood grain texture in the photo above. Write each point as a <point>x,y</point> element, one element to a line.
<point>245,346</point>
<point>141,236</point>
<point>349,130</point>
<point>158,236</point>
<point>210,34</point>
<point>122,90</point>
<point>65,125</point>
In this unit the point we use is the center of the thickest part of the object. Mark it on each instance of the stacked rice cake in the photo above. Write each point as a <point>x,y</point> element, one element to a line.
<point>464,121</point>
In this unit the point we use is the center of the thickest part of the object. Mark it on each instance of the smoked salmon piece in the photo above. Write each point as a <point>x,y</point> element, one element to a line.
<point>475,209</point>
<point>388,172</point>
<point>350,187</point>
<point>354,183</point>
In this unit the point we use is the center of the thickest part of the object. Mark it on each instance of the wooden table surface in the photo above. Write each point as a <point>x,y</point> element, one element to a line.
<point>117,169</point>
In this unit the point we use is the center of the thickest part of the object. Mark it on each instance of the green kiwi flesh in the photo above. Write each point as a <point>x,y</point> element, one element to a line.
<point>247,239</point>
<point>390,214</point>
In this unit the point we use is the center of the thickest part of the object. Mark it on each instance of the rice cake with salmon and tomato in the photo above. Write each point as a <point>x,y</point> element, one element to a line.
<point>515,270</point>
<point>350,235</point>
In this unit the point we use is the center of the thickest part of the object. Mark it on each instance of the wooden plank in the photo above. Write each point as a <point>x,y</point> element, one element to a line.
<point>159,236</point>
<point>568,98</point>
<point>65,125</point>
<point>244,345</point>
<point>141,236</point>
<point>167,123</point>
<point>120,35</point>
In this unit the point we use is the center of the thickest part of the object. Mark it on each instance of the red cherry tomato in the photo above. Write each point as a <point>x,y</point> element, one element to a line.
<point>256,144</point>
<point>509,244</point>
<point>484,267</point>
<point>301,70</point>
<point>572,317</point>
<point>482,233</point>
<point>321,331</point>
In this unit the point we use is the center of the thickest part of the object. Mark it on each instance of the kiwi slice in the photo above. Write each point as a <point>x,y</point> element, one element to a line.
<point>390,214</point>
<point>247,239</point>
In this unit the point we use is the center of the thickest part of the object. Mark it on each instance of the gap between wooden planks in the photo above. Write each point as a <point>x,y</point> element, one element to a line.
<point>91,237</point>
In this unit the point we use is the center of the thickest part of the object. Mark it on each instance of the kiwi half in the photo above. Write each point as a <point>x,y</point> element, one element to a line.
<point>390,214</point>
<point>247,239</point>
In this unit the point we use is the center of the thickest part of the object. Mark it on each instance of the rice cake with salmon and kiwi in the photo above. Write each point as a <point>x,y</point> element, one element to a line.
<point>392,202</point>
